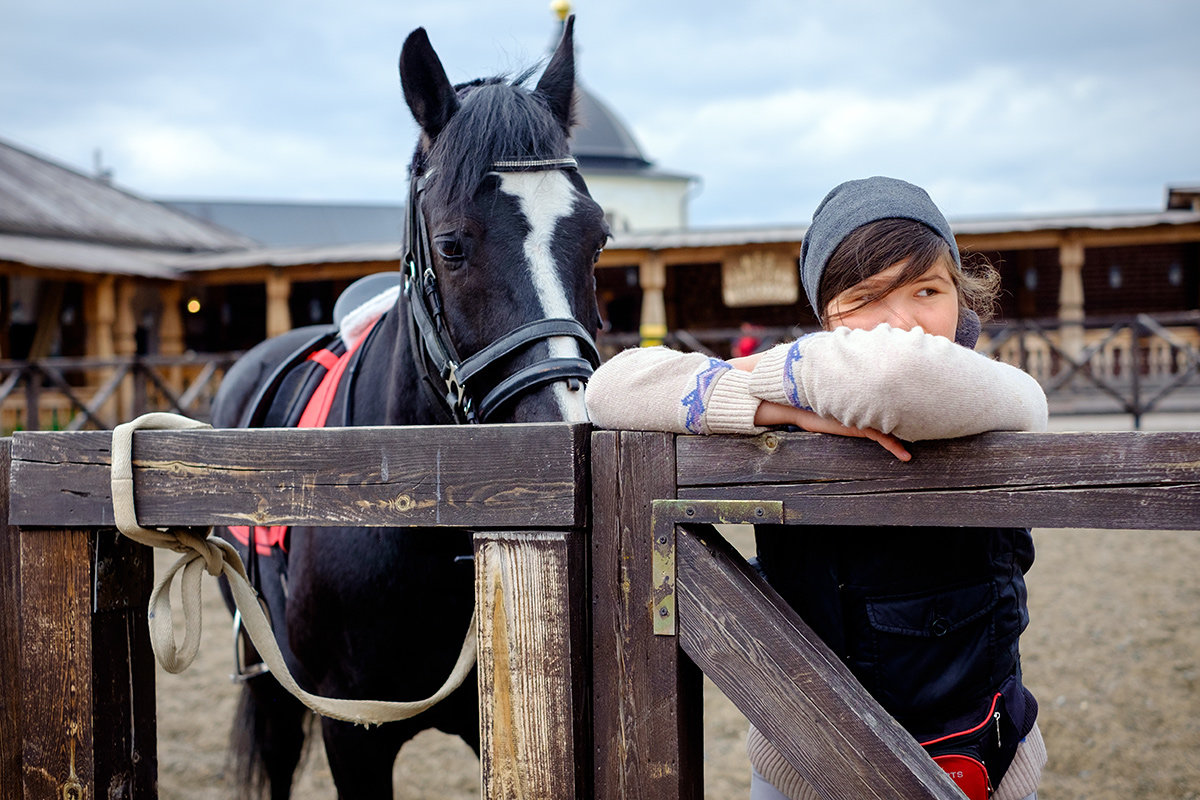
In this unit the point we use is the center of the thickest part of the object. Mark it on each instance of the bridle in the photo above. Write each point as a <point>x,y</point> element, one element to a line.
<point>451,380</point>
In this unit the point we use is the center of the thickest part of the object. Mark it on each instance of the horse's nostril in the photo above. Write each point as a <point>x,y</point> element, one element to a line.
<point>574,384</point>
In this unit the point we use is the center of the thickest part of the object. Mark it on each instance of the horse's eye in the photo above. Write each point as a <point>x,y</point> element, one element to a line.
<point>596,255</point>
<point>450,248</point>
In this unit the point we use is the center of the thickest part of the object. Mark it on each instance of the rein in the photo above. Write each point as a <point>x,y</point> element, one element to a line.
<point>451,380</point>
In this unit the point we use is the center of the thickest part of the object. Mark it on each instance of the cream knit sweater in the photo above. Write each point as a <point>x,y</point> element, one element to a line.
<point>907,383</point>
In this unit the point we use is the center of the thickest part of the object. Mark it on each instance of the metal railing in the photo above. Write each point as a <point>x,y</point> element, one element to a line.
<point>1131,365</point>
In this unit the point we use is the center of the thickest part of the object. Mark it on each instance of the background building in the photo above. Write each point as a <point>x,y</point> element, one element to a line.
<point>88,269</point>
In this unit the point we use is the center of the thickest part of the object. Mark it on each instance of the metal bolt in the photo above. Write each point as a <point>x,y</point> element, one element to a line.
<point>662,612</point>
<point>758,512</point>
<point>691,512</point>
<point>662,540</point>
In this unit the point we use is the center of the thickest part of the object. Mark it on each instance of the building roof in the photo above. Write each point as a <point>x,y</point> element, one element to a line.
<point>39,198</point>
<point>668,239</point>
<point>600,138</point>
<point>101,259</point>
<point>291,256</point>
<point>604,145</point>
<point>718,237</point>
<point>280,224</point>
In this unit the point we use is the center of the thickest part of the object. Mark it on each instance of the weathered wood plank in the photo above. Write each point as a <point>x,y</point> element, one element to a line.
<point>1103,480</point>
<point>647,695</point>
<point>534,726</point>
<point>10,649</point>
<point>123,679</point>
<point>1014,460</point>
<point>495,476</point>
<point>56,658</point>
<point>789,684</point>
<point>1168,508</point>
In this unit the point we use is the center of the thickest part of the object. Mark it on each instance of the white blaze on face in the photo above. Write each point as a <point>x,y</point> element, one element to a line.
<point>545,198</point>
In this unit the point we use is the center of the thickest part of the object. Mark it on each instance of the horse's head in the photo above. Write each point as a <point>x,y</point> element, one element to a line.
<point>502,240</point>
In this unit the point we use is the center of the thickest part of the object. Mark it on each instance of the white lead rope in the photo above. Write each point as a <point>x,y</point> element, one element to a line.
<point>218,557</point>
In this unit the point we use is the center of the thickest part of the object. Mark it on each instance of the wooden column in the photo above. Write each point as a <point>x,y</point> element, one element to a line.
<point>646,694</point>
<point>279,290</point>
<point>1070,295</point>
<point>170,331</point>
<point>533,665</point>
<point>101,313</point>
<point>125,343</point>
<point>652,275</point>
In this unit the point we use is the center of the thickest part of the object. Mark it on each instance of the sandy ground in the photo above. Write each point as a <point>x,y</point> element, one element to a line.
<point>1113,654</point>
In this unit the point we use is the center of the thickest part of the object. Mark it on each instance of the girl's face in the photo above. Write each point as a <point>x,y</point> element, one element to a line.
<point>930,302</point>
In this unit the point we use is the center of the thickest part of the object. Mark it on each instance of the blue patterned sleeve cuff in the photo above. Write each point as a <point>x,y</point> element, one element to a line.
<point>695,402</point>
<point>777,377</point>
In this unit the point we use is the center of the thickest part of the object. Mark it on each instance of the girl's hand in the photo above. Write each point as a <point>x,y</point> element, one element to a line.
<point>747,363</point>
<point>771,414</point>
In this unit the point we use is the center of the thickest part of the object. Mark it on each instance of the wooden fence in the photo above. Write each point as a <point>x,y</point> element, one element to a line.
<point>77,393</point>
<point>1130,365</point>
<point>603,591</point>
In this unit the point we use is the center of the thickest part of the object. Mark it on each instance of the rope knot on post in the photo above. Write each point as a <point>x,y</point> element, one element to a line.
<point>198,549</point>
<point>201,552</point>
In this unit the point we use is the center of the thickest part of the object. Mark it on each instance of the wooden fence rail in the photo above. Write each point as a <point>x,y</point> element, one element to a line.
<point>585,701</point>
<point>76,393</point>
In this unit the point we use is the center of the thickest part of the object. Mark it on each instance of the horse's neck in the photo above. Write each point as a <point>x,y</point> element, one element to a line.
<point>387,390</point>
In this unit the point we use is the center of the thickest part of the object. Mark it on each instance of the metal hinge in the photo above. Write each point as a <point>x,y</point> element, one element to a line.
<point>666,514</point>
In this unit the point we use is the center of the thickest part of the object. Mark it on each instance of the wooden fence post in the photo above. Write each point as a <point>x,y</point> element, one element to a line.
<point>10,651</point>
<point>56,663</point>
<point>647,695</point>
<point>76,668</point>
<point>533,665</point>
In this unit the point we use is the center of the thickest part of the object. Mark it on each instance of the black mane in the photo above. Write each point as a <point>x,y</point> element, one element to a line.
<point>498,120</point>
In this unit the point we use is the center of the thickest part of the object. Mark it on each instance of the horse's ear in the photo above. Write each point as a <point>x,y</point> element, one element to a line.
<point>557,83</point>
<point>427,90</point>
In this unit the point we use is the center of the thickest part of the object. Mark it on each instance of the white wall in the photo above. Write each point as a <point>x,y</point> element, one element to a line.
<point>640,204</point>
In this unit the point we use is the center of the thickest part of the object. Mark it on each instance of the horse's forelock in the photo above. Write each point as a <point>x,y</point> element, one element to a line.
<point>498,120</point>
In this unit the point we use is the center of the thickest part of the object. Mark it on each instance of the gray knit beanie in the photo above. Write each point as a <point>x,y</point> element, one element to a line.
<point>855,203</point>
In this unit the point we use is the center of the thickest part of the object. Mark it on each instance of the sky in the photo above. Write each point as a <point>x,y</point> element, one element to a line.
<point>1005,108</point>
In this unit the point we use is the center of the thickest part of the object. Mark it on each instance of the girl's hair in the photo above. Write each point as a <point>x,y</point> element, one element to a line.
<point>874,247</point>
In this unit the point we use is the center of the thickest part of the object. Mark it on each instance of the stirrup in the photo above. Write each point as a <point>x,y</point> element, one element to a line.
<point>242,671</point>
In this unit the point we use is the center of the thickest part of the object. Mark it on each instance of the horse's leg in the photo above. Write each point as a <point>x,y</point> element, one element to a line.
<point>361,758</point>
<point>268,733</point>
<point>361,621</point>
<point>268,738</point>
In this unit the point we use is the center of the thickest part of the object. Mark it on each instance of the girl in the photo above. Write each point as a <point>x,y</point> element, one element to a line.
<point>927,618</point>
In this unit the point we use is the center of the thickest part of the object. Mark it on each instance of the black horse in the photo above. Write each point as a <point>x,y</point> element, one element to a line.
<point>492,323</point>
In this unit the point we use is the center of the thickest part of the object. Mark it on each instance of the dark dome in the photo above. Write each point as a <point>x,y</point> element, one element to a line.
<point>601,140</point>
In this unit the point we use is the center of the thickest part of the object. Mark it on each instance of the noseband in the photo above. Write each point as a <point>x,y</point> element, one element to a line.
<point>452,380</point>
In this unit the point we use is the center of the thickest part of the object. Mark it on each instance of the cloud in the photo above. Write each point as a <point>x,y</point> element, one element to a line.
<point>1003,108</point>
<point>993,140</point>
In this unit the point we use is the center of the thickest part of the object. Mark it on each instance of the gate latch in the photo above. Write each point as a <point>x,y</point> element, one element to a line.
<point>666,514</point>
